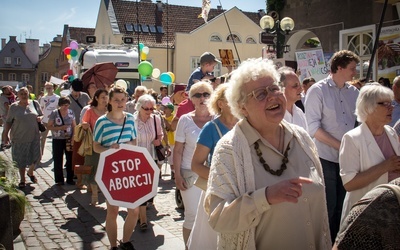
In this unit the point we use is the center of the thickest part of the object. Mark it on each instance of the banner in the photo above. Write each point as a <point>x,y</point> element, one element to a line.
<point>311,63</point>
<point>389,53</point>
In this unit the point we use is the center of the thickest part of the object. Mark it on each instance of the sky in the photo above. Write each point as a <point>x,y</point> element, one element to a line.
<point>44,19</point>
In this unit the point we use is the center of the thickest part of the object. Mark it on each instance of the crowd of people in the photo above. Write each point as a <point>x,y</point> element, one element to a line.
<point>263,160</point>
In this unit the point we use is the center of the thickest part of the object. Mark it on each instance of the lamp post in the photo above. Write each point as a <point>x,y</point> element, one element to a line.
<point>279,29</point>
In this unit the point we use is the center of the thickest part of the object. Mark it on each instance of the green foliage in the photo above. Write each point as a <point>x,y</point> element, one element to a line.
<point>275,5</point>
<point>9,182</point>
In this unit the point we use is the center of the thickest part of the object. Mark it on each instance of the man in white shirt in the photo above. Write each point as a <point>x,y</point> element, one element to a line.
<point>292,91</point>
<point>48,103</point>
<point>330,106</point>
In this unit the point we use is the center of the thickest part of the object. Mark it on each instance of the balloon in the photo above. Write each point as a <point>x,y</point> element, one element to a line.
<point>172,76</point>
<point>145,68</point>
<point>70,73</point>
<point>156,73</point>
<point>65,77</point>
<point>68,57</point>
<point>141,45</point>
<point>166,79</point>
<point>165,100</point>
<point>144,78</point>
<point>143,56</point>
<point>73,45</point>
<point>74,53</point>
<point>146,50</point>
<point>71,78</point>
<point>67,50</point>
<point>121,83</point>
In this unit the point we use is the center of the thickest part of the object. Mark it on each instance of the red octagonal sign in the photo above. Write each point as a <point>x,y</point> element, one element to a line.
<point>127,176</point>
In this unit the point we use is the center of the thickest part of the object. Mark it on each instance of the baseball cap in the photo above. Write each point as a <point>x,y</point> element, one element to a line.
<point>208,57</point>
<point>170,106</point>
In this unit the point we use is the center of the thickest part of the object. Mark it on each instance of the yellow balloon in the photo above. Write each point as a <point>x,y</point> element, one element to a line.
<point>68,57</point>
<point>172,76</point>
<point>143,56</point>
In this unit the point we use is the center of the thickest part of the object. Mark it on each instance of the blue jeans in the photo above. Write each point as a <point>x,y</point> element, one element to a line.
<point>335,194</point>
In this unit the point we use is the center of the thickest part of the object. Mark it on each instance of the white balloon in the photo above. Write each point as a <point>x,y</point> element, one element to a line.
<point>145,50</point>
<point>156,73</point>
<point>121,83</point>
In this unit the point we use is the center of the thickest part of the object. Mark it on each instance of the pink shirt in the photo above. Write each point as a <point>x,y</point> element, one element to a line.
<point>90,117</point>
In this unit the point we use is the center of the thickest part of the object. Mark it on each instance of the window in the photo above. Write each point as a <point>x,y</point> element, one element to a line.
<point>145,28</point>
<point>152,29</point>
<point>251,40</point>
<point>136,28</point>
<point>1,76</point>
<point>215,38</point>
<point>7,60</point>
<point>17,60</point>
<point>160,29</point>
<point>233,37</point>
<point>44,77</point>
<point>25,77</point>
<point>12,77</point>
<point>129,27</point>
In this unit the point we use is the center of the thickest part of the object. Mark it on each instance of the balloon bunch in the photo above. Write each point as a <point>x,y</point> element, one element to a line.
<point>146,69</point>
<point>71,53</point>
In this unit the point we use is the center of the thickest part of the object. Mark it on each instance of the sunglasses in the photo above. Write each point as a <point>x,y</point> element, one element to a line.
<point>199,95</point>
<point>148,109</point>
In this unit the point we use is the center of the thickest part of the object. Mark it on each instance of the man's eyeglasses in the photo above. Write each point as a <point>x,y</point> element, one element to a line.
<point>385,104</point>
<point>148,109</point>
<point>198,95</point>
<point>261,94</point>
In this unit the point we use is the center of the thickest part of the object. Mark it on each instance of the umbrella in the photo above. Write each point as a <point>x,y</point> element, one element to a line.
<point>102,74</point>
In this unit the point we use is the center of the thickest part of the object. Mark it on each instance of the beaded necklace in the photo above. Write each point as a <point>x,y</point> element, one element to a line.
<point>266,166</point>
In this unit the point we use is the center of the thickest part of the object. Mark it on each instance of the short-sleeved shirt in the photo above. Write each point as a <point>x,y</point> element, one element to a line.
<point>83,100</point>
<point>187,132</point>
<point>58,122</point>
<point>209,135</point>
<point>90,117</point>
<point>197,74</point>
<point>48,104</point>
<point>23,122</point>
<point>184,107</point>
<point>106,132</point>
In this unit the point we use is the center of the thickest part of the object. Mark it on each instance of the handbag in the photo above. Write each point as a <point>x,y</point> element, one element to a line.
<point>160,150</point>
<point>83,169</point>
<point>41,126</point>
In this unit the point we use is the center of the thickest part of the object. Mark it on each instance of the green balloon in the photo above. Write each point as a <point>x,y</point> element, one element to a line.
<point>145,68</point>
<point>73,53</point>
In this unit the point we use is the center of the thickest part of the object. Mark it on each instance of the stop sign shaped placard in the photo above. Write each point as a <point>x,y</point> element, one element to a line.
<point>127,176</point>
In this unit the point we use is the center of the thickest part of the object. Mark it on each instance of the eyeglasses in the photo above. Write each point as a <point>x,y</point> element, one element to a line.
<point>385,104</point>
<point>198,95</point>
<point>148,109</point>
<point>261,94</point>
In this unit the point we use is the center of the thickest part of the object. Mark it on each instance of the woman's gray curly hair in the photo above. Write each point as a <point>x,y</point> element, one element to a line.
<point>250,70</point>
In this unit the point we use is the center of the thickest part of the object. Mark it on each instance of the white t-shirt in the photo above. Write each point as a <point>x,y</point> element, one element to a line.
<point>187,132</point>
<point>48,104</point>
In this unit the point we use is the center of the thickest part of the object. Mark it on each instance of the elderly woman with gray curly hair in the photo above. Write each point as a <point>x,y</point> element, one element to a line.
<point>265,187</point>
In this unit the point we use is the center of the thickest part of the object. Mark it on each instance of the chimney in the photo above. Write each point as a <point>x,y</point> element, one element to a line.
<point>219,7</point>
<point>32,50</point>
<point>3,43</point>
<point>159,5</point>
<point>261,13</point>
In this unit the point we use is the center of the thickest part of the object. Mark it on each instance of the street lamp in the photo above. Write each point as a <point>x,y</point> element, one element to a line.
<point>280,28</point>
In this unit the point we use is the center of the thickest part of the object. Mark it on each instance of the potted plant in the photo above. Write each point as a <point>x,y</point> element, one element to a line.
<point>18,201</point>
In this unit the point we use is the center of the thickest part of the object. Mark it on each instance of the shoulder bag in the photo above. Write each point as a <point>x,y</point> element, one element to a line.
<point>42,128</point>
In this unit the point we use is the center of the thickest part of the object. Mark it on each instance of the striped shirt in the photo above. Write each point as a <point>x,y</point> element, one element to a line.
<point>107,132</point>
